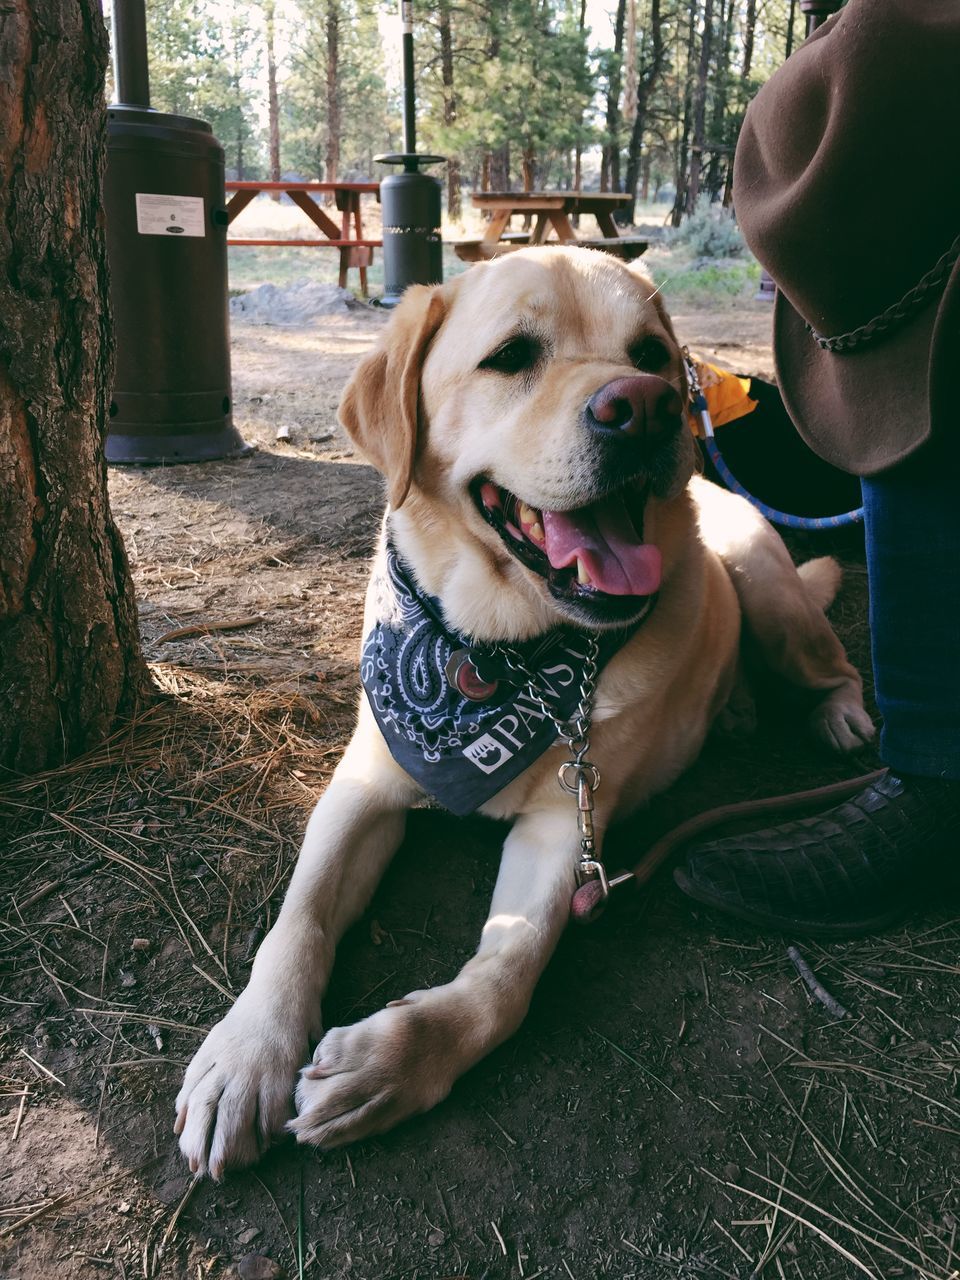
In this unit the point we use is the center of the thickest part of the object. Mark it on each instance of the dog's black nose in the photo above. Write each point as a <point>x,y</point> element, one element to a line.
<point>644,406</point>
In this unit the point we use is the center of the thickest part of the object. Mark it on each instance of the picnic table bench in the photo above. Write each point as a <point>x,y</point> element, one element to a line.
<point>356,250</point>
<point>553,211</point>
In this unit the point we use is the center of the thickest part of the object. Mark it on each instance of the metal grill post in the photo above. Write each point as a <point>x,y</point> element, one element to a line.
<point>412,248</point>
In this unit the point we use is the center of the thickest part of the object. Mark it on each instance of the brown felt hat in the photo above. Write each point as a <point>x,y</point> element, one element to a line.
<point>847,189</point>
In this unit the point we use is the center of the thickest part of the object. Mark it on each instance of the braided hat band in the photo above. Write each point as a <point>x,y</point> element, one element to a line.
<point>898,312</point>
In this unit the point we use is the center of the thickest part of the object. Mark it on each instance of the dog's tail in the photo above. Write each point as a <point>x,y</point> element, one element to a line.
<point>822,578</point>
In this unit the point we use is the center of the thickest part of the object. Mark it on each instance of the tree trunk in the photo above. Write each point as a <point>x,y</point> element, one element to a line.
<point>610,160</point>
<point>749,37</point>
<point>500,168</point>
<point>720,81</point>
<point>449,106</point>
<point>645,86</point>
<point>333,92</point>
<point>70,662</point>
<point>273,102</point>
<point>680,199</point>
<point>790,23</point>
<point>578,152</point>
<point>528,167</point>
<point>700,109</point>
<point>630,65</point>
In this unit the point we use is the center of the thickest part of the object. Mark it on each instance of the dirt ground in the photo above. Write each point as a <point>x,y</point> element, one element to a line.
<point>674,1106</point>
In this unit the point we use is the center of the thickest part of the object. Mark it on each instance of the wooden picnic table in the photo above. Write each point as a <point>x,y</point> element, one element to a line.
<point>348,238</point>
<point>552,211</point>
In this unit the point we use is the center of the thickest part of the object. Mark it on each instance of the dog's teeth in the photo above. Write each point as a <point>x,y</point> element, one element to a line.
<point>583,574</point>
<point>527,514</point>
<point>536,532</point>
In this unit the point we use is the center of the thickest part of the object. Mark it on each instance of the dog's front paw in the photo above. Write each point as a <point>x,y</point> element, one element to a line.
<point>368,1077</point>
<point>238,1089</point>
<point>841,722</point>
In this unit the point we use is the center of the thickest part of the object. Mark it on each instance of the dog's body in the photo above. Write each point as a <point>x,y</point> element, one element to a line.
<point>501,408</point>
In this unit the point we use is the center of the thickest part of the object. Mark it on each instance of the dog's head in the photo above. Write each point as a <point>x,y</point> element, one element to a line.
<point>530,415</point>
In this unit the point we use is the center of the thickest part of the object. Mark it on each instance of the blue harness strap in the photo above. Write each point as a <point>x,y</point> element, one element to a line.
<point>698,403</point>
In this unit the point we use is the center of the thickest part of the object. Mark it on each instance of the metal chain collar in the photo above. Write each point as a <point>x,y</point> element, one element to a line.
<point>578,776</point>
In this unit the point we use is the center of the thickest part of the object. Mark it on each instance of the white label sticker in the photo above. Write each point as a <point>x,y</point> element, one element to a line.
<point>170,215</point>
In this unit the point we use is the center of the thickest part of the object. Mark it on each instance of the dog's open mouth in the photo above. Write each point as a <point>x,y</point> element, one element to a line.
<point>593,556</point>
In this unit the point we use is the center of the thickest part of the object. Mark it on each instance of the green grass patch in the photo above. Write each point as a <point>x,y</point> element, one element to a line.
<point>713,282</point>
<point>265,264</point>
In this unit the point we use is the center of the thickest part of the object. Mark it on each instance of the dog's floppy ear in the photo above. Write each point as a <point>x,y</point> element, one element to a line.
<point>380,406</point>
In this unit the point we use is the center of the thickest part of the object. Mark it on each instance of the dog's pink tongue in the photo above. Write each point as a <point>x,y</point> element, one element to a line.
<point>603,537</point>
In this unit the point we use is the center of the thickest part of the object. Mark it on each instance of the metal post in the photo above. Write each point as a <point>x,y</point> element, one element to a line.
<point>409,93</point>
<point>412,250</point>
<point>130,71</point>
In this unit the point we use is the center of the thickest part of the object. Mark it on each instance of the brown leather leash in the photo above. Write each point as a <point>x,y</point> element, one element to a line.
<point>590,899</point>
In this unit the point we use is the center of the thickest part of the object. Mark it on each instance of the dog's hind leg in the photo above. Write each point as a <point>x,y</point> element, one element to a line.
<point>237,1092</point>
<point>367,1077</point>
<point>784,614</point>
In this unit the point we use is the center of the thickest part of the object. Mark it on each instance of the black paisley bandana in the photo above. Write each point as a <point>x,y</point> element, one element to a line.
<point>462,751</point>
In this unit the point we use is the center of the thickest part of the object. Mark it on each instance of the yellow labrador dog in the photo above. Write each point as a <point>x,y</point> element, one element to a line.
<point>529,420</point>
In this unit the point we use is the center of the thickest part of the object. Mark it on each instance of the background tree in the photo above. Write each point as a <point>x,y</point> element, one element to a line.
<point>512,92</point>
<point>273,100</point>
<point>525,102</point>
<point>336,109</point>
<point>700,108</point>
<point>612,64</point>
<point>649,58</point>
<point>205,62</point>
<point>69,653</point>
<point>445,27</point>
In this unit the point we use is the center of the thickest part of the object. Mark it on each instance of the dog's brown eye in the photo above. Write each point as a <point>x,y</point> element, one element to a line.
<point>515,356</point>
<point>649,354</point>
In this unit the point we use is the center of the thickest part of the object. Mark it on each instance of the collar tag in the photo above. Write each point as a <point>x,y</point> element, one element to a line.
<point>464,678</point>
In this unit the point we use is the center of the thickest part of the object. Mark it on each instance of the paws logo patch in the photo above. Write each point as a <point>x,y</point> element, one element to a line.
<point>487,753</point>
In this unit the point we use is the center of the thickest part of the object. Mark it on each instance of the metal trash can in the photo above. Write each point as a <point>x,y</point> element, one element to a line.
<point>166,228</point>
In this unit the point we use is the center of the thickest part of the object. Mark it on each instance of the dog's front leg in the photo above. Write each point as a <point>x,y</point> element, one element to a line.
<point>238,1089</point>
<point>404,1059</point>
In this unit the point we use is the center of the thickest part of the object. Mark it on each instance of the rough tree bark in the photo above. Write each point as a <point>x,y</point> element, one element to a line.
<point>70,662</point>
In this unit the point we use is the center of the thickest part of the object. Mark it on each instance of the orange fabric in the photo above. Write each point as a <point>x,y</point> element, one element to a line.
<point>727,396</point>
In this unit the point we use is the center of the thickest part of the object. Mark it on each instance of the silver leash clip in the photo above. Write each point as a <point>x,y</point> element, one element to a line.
<point>581,778</point>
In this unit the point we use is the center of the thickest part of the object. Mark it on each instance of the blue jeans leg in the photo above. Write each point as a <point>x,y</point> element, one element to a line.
<point>913,564</point>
